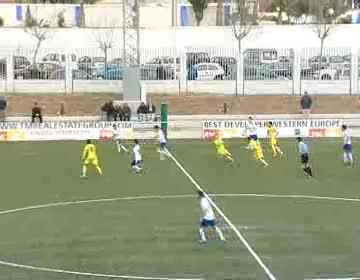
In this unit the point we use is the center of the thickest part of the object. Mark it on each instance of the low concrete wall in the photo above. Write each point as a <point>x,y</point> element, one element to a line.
<point>176,87</point>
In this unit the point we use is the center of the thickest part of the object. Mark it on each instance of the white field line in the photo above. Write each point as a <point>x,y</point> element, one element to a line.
<point>176,196</point>
<point>44,269</point>
<point>227,220</point>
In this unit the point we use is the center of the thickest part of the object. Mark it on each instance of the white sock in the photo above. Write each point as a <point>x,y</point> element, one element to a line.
<point>350,157</point>
<point>118,145</point>
<point>202,235</point>
<point>220,234</point>
<point>345,158</point>
<point>123,147</point>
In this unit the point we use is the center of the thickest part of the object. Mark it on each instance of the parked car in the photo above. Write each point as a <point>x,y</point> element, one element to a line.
<point>228,63</point>
<point>111,72</point>
<point>170,65</point>
<point>333,62</point>
<point>261,73</point>
<point>28,73</point>
<point>21,62</point>
<point>193,58</point>
<point>332,74</point>
<point>206,71</point>
<point>76,75</point>
<point>116,72</point>
<point>260,56</point>
<point>60,59</point>
<point>90,64</point>
<point>152,72</point>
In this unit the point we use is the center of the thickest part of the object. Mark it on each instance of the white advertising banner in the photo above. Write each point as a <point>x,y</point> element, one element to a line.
<point>63,130</point>
<point>286,128</point>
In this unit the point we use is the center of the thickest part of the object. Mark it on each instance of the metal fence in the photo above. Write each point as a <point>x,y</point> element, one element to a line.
<point>264,70</point>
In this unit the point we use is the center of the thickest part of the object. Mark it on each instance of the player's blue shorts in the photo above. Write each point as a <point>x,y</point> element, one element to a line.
<point>207,223</point>
<point>136,163</point>
<point>253,136</point>
<point>162,146</point>
<point>348,148</point>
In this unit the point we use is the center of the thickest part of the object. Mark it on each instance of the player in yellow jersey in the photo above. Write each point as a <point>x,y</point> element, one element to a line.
<point>255,146</point>
<point>221,150</point>
<point>89,157</point>
<point>273,134</point>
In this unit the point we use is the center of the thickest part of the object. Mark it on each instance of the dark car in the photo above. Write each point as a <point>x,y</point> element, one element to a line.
<point>28,73</point>
<point>41,71</point>
<point>193,58</point>
<point>21,62</point>
<point>90,64</point>
<point>228,63</point>
<point>85,63</point>
<point>156,72</point>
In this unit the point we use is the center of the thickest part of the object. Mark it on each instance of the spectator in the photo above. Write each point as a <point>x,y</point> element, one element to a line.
<point>151,110</point>
<point>62,109</point>
<point>3,105</point>
<point>126,113</point>
<point>109,110</point>
<point>36,113</point>
<point>306,103</point>
<point>118,113</point>
<point>142,112</point>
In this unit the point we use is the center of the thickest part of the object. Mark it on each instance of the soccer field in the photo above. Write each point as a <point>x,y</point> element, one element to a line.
<point>125,226</point>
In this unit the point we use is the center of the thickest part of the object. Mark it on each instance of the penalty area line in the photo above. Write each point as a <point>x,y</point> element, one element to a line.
<point>227,220</point>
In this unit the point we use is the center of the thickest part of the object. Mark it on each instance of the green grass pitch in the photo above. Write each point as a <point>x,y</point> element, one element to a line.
<point>297,238</point>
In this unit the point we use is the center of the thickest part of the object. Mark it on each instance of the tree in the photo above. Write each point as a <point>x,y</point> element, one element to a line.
<point>298,8</point>
<point>325,13</point>
<point>244,20</point>
<point>61,19</point>
<point>105,39</point>
<point>293,9</point>
<point>199,7</point>
<point>220,13</point>
<point>281,7</point>
<point>38,28</point>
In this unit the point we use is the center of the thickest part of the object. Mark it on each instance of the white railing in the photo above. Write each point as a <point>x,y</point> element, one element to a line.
<point>205,70</point>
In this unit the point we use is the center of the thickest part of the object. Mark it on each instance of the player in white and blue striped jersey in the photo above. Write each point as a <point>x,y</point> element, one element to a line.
<point>348,156</point>
<point>208,218</point>
<point>304,153</point>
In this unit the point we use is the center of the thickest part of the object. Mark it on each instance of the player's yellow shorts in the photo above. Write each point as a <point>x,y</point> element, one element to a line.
<point>91,161</point>
<point>259,155</point>
<point>273,142</point>
<point>223,152</point>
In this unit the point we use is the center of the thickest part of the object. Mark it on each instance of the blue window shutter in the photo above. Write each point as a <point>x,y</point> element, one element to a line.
<point>78,16</point>
<point>19,16</point>
<point>184,16</point>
